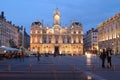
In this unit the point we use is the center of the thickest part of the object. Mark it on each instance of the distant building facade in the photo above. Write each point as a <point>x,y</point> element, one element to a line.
<point>26,40</point>
<point>56,40</point>
<point>10,35</point>
<point>109,34</point>
<point>91,41</point>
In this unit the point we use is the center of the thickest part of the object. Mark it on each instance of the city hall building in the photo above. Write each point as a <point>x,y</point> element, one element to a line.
<point>57,39</point>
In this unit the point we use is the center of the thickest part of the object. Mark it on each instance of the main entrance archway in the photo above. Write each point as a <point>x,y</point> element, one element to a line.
<point>56,52</point>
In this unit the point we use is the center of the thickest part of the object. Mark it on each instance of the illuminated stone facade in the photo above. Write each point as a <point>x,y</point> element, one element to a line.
<point>56,40</point>
<point>109,34</point>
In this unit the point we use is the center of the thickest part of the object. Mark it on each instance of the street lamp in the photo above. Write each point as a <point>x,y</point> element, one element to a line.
<point>117,39</point>
<point>0,42</point>
<point>118,44</point>
<point>112,47</point>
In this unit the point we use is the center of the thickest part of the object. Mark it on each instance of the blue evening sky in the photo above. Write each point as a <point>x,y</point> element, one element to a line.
<point>89,12</point>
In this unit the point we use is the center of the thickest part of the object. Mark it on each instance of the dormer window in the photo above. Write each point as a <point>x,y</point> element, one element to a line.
<point>36,32</point>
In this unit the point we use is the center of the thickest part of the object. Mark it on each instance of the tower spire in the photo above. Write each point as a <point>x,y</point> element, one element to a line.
<point>56,5</point>
<point>57,17</point>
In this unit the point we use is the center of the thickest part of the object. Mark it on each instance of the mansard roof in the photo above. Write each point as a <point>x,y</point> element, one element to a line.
<point>38,23</point>
<point>76,23</point>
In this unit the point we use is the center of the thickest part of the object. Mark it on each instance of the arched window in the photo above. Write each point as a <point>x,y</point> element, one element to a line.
<point>33,48</point>
<point>38,48</point>
<point>74,32</point>
<point>74,41</point>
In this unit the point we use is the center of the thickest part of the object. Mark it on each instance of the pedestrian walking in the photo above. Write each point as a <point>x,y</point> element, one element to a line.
<point>103,57</point>
<point>109,55</point>
<point>22,55</point>
<point>19,55</point>
<point>38,56</point>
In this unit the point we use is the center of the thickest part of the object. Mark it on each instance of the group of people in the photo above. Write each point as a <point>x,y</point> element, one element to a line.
<point>21,56</point>
<point>106,54</point>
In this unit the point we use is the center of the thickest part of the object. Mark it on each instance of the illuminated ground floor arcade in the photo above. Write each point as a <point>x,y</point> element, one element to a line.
<point>71,49</point>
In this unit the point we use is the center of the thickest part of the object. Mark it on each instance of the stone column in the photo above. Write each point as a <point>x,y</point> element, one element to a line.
<point>47,39</point>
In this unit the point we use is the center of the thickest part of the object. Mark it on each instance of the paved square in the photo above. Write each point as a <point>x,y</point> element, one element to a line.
<point>58,68</point>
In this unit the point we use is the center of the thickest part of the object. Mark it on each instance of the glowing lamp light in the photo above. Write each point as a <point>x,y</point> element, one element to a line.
<point>60,52</point>
<point>88,55</point>
<point>5,51</point>
<point>89,77</point>
<point>77,32</point>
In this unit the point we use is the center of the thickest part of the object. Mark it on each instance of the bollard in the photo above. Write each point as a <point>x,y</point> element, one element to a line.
<point>30,68</point>
<point>52,68</point>
<point>73,68</point>
<point>9,67</point>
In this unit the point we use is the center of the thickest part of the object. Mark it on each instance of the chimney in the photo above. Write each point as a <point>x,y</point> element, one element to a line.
<point>42,22</point>
<point>92,29</point>
<point>21,27</point>
<point>10,22</point>
<point>25,29</point>
<point>2,14</point>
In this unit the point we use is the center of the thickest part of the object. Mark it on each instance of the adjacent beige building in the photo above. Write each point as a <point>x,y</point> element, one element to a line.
<point>109,34</point>
<point>57,39</point>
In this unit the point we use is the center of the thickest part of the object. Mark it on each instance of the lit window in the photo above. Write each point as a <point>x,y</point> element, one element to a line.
<point>41,32</point>
<point>36,32</point>
<point>81,32</point>
<point>81,41</point>
<point>40,26</point>
<point>72,32</point>
<point>77,32</point>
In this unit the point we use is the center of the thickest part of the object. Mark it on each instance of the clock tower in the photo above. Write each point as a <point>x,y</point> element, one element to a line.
<point>56,17</point>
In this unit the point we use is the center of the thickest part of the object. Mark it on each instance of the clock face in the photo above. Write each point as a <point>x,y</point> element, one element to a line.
<point>57,17</point>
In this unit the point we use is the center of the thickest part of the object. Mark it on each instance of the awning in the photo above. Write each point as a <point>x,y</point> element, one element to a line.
<point>8,48</point>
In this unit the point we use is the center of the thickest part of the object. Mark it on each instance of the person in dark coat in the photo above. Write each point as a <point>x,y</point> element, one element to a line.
<point>22,55</point>
<point>109,54</point>
<point>103,56</point>
<point>38,56</point>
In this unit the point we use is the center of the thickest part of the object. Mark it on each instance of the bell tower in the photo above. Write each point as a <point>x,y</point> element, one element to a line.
<point>56,17</point>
